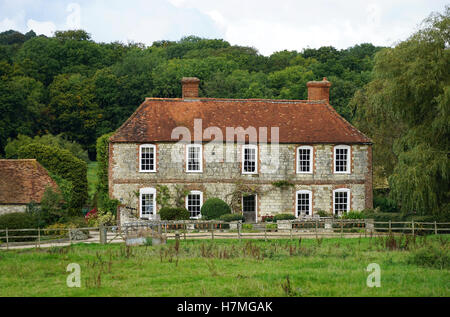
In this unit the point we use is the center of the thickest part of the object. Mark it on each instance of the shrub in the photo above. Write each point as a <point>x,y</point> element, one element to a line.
<point>353,215</point>
<point>19,220</point>
<point>213,208</point>
<point>174,213</point>
<point>232,217</point>
<point>102,148</point>
<point>52,207</point>
<point>322,213</point>
<point>267,218</point>
<point>64,164</point>
<point>283,217</point>
<point>384,204</point>
<point>12,148</point>
<point>95,218</point>
<point>247,226</point>
<point>59,230</point>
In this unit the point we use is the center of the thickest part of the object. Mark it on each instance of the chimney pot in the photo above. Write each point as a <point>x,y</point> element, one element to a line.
<point>319,90</point>
<point>190,87</point>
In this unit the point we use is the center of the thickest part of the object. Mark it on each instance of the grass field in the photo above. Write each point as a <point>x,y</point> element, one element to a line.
<point>311,267</point>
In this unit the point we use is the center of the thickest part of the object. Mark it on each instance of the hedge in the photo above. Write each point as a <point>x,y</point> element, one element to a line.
<point>213,208</point>
<point>174,213</point>
<point>102,162</point>
<point>232,217</point>
<point>18,220</point>
<point>64,164</point>
<point>283,217</point>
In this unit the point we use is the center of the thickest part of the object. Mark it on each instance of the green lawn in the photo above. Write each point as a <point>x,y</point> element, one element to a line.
<point>324,267</point>
<point>92,177</point>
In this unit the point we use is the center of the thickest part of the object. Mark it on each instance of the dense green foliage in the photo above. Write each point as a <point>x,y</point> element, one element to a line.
<point>102,168</point>
<point>62,163</point>
<point>174,213</point>
<point>283,217</point>
<point>406,110</point>
<point>68,84</point>
<point>214,208</point>
<point>18,220</point>
<point>12,147</point>
<point>232,217</point>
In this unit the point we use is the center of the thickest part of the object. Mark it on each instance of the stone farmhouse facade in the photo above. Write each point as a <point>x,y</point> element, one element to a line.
<point>22,182</point>
<point>213,147</point>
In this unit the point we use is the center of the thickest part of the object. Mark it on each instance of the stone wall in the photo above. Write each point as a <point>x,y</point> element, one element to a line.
<point>222,170</point>
<point>8,209</point>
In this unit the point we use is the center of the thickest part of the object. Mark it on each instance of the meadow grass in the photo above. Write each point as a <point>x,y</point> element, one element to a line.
<point>308,267</point>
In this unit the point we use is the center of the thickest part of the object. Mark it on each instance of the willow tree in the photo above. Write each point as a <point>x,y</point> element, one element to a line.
<point>406,110</point>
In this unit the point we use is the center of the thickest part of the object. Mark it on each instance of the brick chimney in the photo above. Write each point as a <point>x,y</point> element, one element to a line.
<point>190,87</point>
<point>319,90</point>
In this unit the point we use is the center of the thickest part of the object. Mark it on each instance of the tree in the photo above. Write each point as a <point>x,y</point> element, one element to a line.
<point>411,90</point>
<point>72,110</point>
<point>21,107</point>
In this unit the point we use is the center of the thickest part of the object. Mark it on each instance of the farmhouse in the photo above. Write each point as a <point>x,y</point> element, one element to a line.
<point>263,157</point>
<point>22,182</point>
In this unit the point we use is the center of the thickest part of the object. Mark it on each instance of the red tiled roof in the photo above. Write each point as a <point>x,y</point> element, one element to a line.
<point>23,181</point>
<point>298,121</point>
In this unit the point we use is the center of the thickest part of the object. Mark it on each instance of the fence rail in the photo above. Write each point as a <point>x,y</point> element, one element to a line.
<point>213,229</point>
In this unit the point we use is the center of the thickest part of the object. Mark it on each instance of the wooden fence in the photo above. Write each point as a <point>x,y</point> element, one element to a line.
<point>200,229</point>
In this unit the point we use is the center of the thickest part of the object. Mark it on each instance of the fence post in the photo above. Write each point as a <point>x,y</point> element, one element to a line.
<point>7,240</point>
<point>342,229</point>
<point>413,227</point>
<point>390,227</point>
<point>102,229</point>
<point>435,228</point>
<point>239,229</point>
<point>39,237</point>
<point>212,232</point>
<point>70,236</point>
<point>290,232</point>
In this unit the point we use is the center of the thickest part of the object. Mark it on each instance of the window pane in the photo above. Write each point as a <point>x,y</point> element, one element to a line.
<point>249,160</point>
<point>194,158</point>
<point>341,160</point>
<point>340,202</point>
<point>303,204</point>
<point>147,206</point>
<point>194,205</point>
<point>304,160</point>
<point>147,159</point>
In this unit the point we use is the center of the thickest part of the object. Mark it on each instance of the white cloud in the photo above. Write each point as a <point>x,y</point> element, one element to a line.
<point>73,20</point>
<point>8,24</point>
<point>47,28</point>
<point>264,24</point>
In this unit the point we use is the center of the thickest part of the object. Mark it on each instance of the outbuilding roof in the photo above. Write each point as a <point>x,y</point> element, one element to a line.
<point>23,181</point>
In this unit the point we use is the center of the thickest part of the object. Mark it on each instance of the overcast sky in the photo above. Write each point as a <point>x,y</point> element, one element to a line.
<point>268,26</point>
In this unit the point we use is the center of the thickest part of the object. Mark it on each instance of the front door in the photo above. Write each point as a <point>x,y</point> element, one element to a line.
<point>249,208</point>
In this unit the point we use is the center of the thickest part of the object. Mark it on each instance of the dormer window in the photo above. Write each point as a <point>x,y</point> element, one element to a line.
<point>147,162</point>
<point>194,162</point>
<point>304,159</point>
<point>249,159</point>
<point>342,159</point>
